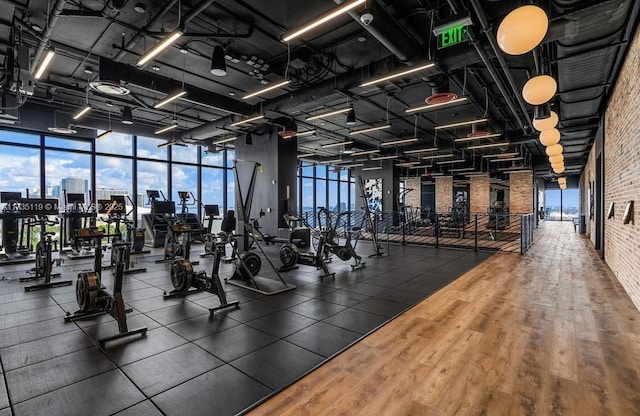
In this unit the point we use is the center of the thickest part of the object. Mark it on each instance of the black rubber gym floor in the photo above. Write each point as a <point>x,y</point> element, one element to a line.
<point>190,363</point>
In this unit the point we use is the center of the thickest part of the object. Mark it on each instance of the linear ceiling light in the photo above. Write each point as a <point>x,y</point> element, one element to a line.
<point>227,140</point>
<point>398,74</point>
<point>486,146</point>
<point>430,106</point>
<point>508,159</point>
<point>407,164</point>
<point>155,51</point>
<point>414,151</point>
<point>332,14</point>
<point>401,141</point>
<point>169,98</point>
<point>306,155</point>
<point>266,89</point>
<point>247,120</point>
<point>324,146</point>
<point>330,113</point>
<point>306,133</point>
<point>510,154</point>
<point>433,174</point>
<point>104,134</point>
<point>462,169</point>
<point>385,157</point>
<point>166,129</point>
<point>438,156</point>
<point>484,136</point>
<point>172,143</point>
<point>84,110</point>
<point>419,166</point>
<point>462,123</point>
<point>44,63</point>
<point>373,168</point>
<point>445,162</point>
<point>369,129</point>
<point>365,152</point>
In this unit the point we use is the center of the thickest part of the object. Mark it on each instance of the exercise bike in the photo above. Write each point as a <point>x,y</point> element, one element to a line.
<point>177,242</point>
<point>291,257</point>
<point>44,261</point>
<point>346,251</point>
<point>93,298</point>
<point>186,281</point>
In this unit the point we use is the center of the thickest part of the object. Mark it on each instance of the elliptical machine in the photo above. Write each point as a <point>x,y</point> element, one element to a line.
<point>346,251</point>
<point>290,256</point>
<point>92,296</point>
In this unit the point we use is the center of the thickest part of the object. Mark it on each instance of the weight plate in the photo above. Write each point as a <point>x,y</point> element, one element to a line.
<point>289,255</point>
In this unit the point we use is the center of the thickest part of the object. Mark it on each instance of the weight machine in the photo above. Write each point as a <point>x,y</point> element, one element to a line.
<point>40,209</point>
<point>186,281</point>
<point>92,296</point>
<point>249,263</point>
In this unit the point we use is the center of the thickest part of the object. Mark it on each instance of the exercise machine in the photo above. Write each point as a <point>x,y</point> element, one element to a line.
<point>40,209</point>
<point>369,220</point>
<point>177,242</point>
<point>212,213</point>
<point>116,212</point>
<point>186,281</point>
<point>156,223</point>
<point>93,298</point>
<point>190,219</point>
<point>248,263</point>
<point>291,257</point>
<point>346,251</point>
<point>14,226</point>
<point>77,215</point>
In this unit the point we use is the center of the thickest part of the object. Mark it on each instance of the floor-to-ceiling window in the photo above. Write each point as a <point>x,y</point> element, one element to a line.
<point>562,205</point>
<point>324,186</point>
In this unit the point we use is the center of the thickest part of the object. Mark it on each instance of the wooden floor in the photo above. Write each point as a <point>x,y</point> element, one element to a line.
<point>548,333</point>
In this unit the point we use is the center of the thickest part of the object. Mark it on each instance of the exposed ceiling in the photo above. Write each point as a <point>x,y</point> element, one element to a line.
<point>102,40</point>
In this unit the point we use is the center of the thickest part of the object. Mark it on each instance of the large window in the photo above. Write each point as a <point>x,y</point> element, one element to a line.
<point>115,144</point>
<point>184,178</point>
<point>20,170</point>
<point>114,176</point>
<point>562,205</point>
<point>186,154</point>
<point>324,186</point>
<point>22,138</point>
<point>148,148</point>
<point>71,144</point>
<point>67,171</point>
<point>151,175</point>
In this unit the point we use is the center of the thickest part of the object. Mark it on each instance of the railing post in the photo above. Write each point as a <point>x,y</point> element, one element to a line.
<point>475,245</point>
<point>521,236</point>
<point>403,235</point>
<point>437,230</point>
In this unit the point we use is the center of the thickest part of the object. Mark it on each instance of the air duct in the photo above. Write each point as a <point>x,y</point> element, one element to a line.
<point>208,130</point>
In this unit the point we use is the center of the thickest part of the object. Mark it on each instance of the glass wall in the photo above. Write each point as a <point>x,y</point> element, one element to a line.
<point>20,170</point>
<point>324,186</point>
<point>562,205</point>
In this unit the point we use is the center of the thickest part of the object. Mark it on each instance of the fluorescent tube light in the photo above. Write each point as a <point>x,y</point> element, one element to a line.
<point>306,155</point>
<point>373,168</point>
<point>266,89</point>
<point>155,51</point>
<point>82,112</point>
<point>444,162</point>
<point>306,133</point>
<point>44,63</point>
<point>332,14</point>
<point>369,129</point>
<point>484,136</point>
<point>365,152</point>
<point>437,156</point>
<point>227,140</point>
<point>462,123</point>
<point>247,120</point>
<point>398,74</point>
<point>330,113</point>
<point>169,98</point>
<point>407,164</point>
<point>430,106</point>
<point>166,129</point>
<point>486,146</point>
<point>503,154</point>
<point>400,141</point>
<point>429,149</point>
<point>507,159</point>
<point>384,157</point>
<point>324,146</point>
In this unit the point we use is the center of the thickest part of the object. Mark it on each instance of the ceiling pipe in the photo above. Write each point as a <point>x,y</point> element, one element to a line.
<point>46,34</point>
<point>206,131</point>
<point>389,33</point>
<point>140,34</point>
<point>199,8</point>
<point>496,77</point>
<point>486,29</point>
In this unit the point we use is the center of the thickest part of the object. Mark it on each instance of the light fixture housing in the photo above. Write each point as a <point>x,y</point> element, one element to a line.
<point>351,117</point>
<point>127,115</point>
<point>522,30</point>
<point>320,20</point>
<point>550,137</point>
<point>369,129</point>
<point>306,133</point>
<point>388,157</point>
<point>218,62</point>
<point>165,129</point>
<point>266,89</point>
<point>414,151</point>
<point>543,124</point>
<point>462,123</point>
<point>398,74</point>
<point>247,120</point>
<point>44,63</point>
<point>554,150</point>
<point>365,152</point>
<point>399,142</point>
<point>556,159</point>
<point>329,114</point>
<point>373,168</point>
<point>223,141</point>
<point>539,90</point>
<point>156,50</point>
<point>436,105</point>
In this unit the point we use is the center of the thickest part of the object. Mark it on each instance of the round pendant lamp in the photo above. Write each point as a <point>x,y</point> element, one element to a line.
<point>542,124</point>
<point>562,180</point>
<point>550,137</point>
<point>538,90</point>
<point>554,150</point>
<point>556,159</point>
<point>558,169</point>
<point>522,30</point>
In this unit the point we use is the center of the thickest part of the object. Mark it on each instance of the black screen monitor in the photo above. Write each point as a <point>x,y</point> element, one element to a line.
<point>153,194</point>
<point>6,197</point>
<point>103,206</point>
<point>75,199</point>
<point>211,210</point>
<point>183,195</point>
<point>120,206</point>
<point>163,207</point>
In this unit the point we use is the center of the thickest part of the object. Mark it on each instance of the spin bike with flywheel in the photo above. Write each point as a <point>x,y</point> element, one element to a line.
<point>291,257</point>
<point>346,251</point>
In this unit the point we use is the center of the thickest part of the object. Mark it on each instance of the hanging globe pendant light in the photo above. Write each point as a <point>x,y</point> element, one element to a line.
<point>522,30</point>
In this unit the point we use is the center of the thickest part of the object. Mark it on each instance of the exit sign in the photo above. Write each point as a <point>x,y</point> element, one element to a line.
<point>452,36</point>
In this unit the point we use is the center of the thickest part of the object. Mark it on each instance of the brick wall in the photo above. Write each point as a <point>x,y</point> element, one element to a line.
<point>413,198</point>
<point>521,192</point>
<point>589,176</point>
<point>444,193</point>
<point>480,190</point>
<point>622,174</point>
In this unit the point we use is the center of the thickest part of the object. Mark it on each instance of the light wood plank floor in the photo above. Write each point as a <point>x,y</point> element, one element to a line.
<point>548,333</point>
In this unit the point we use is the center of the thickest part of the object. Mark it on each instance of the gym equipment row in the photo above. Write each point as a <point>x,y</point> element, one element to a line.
<point>163,215</point>
<point>93,298</point>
